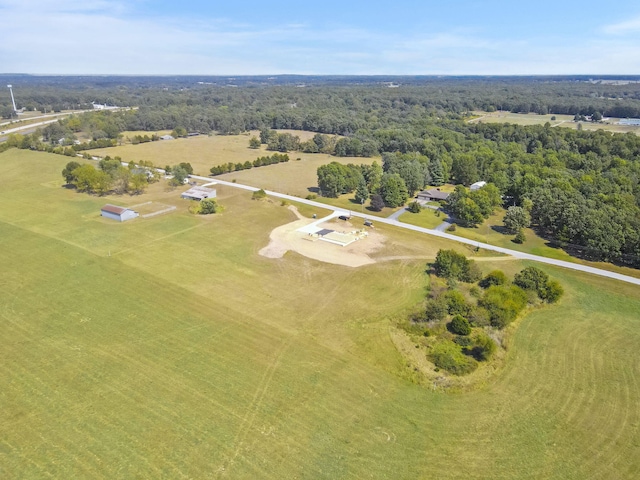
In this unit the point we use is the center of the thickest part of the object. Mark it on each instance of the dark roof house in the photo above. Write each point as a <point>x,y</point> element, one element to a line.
<point>432,195</point>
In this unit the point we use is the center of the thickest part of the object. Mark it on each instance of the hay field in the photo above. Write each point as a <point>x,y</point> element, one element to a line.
<point>186,354</point>
<point>203,151</point>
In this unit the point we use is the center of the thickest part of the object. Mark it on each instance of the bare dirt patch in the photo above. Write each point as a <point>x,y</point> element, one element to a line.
<point>288,237</point>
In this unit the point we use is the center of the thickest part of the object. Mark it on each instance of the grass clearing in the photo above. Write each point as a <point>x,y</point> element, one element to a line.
<point>565,121</point>
<point>186,354</point>
<point>204,152</point>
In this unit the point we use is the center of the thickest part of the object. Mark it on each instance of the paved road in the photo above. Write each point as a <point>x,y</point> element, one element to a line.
<point>25,127</point>
<point>448,236</point>
<point>51,115</point>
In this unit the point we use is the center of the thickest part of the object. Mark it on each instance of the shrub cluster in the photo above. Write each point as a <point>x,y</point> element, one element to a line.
<point>259,195</point>
<point>466,341</point>
<point>450,264</point>
<point>534,279</point>
<point>449,356</point>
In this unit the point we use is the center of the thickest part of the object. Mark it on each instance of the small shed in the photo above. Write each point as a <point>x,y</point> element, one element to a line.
<point>432,195</point>
<point>199,193</point>
<point>120,214</point>
<point>477,185</point>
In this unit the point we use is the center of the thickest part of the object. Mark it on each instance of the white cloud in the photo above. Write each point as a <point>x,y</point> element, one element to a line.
<point>621,28</point>
<point>96,37</point>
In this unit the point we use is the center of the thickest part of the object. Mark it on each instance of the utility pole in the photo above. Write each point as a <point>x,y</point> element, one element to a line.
<point>13,99</point>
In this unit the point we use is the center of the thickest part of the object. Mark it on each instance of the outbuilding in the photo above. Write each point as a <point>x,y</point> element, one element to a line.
<point>199,193</point>
<point>477,185</point>
<point>120,214</point>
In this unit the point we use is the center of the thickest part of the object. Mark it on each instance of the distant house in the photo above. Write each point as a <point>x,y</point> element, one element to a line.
<point>145,171</point>
<point>477,185</point>
<point>199,193</point>
<point>166,137</point>
<point>432,195</point>
<point>120,214</point>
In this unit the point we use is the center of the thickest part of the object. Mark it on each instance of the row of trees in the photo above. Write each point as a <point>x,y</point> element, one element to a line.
<point>258,162</point>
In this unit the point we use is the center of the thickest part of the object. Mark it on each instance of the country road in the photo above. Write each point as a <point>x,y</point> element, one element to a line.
<point>448,236</point>
<point>30,128</point>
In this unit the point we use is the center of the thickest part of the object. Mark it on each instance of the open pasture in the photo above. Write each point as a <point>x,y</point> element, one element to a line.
<point>204,151</point>
<point>610,124</point>
<point>168,347</point>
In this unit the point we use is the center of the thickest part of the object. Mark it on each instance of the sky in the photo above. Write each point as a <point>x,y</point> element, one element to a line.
<point>394,37</point>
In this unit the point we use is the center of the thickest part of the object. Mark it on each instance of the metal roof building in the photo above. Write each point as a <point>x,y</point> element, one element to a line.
<point>477,185</point>
<point>120,214</point>
<point>199,193</point>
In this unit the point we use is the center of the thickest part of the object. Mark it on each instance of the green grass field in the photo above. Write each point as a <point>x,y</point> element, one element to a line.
<point>168,348</point>
<point>565,121</point>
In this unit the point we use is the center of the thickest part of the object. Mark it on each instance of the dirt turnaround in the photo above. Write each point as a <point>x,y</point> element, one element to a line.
<point>288,237</point>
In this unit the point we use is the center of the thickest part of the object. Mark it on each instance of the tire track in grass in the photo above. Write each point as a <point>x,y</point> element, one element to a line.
<point>619,416</point>
<point>252,411</point>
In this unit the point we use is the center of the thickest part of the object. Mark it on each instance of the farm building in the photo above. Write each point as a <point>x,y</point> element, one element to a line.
<point>120,214</point>
<point>432,195</point>
<point>477,185</point>
<point>199,193</point>
<point>166,137</point>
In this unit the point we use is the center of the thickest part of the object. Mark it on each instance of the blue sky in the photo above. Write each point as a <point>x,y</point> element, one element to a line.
<point>458,37</point>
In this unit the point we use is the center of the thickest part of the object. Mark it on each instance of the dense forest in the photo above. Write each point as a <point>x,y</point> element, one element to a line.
<point>582,188</point>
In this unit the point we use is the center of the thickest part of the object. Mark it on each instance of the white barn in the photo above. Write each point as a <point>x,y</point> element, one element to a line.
<point>120,214</point>
<point>477,185</point>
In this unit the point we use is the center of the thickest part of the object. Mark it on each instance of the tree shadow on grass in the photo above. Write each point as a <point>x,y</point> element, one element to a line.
<point>500,229</point>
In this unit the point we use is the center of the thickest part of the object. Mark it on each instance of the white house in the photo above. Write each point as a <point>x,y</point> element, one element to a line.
<point>477,185</point>
<point>120,214</point>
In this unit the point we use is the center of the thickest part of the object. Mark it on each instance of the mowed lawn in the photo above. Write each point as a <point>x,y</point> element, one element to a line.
<point>172,349</point>
<point>492,232</point>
